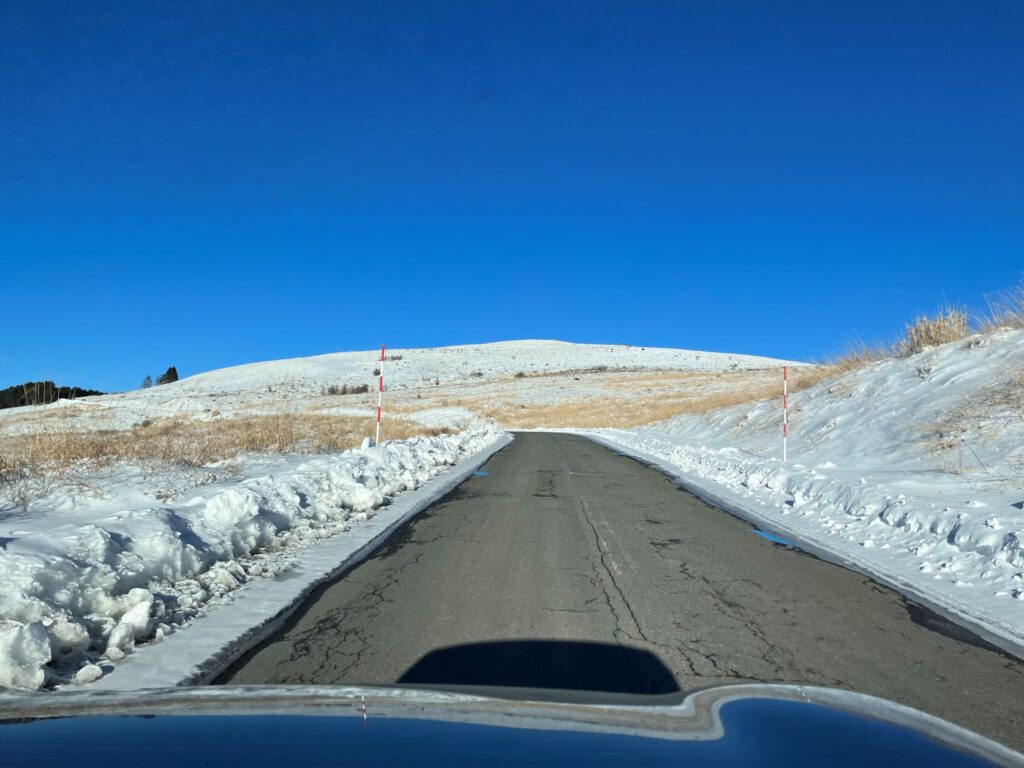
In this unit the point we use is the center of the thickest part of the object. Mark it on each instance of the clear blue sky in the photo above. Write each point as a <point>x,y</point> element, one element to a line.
<point>211,183</point>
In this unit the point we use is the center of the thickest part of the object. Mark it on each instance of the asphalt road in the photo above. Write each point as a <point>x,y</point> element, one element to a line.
<point>570,566</point>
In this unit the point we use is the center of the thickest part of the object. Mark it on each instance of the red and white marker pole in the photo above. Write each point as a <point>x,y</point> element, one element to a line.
<point>380,392</point>
<point>785,410</point>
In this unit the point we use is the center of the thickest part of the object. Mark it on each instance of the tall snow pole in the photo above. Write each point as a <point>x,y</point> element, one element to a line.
<point>785,410</point>
<point>380,392</point>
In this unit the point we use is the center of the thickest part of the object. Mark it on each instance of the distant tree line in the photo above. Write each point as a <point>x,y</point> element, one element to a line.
<point>171,374</point>
<point>40,392</point>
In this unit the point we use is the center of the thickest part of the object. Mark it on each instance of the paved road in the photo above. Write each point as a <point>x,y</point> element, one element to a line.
<point>569,565</point>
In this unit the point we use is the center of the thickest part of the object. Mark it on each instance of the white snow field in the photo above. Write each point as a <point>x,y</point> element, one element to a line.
<point>435,375</point>
<point>910,469</point>
<point>84,578</point>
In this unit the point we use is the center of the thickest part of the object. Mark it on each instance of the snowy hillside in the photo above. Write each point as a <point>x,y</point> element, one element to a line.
<point>298,384</point>
<point>454,365</point>
<point>910,468</point>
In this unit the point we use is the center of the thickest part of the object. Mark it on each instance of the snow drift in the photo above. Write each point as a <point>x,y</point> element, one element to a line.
<point>96,575</point>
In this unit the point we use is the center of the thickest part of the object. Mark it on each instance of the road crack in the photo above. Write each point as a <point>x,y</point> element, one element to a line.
<point>627,625</point>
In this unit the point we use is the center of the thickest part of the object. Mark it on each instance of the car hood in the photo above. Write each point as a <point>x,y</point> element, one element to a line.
<point>740,724</point>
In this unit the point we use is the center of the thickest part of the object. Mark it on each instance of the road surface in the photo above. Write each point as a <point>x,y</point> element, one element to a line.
<point>566,565</point>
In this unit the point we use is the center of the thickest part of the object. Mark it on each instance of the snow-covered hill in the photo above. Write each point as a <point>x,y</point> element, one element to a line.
<point>454,365</point>
<point>297,384</point>
<point>911,468</point>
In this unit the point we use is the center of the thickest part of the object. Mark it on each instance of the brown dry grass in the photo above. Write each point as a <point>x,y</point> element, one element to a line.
<point>594,412</point>
<point>1009,394</point>
<point>694,393</point>
<point>854,357</point>
<point>626,399</point>
<point>945,326</point>
<point>682,379</point>
<point>188,442</point>
<point>1005,310</point>
<point>975,421</point>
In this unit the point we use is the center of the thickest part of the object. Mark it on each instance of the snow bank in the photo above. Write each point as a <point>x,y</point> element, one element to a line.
<point>213,641</point>
<point>910,469</point>
<point>90,578</point>
<point>24,649</point>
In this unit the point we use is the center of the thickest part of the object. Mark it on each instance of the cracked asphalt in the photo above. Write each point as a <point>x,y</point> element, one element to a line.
<point>564,540</point>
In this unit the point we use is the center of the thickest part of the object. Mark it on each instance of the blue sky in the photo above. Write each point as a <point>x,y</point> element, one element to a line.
<point>211,183</point>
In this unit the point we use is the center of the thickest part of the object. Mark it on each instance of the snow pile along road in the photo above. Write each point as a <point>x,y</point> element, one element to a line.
<point>911,469</point>
<point>90,577</point>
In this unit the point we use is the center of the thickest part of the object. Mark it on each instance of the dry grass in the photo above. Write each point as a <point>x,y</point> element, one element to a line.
<point>1009,394</point>
<point>725,388</point>
<point>692,380</point>
<point>976,421</point>
<point>181,441</point>
<point>621,399</point>
<point>855,356</point>
<point>689,393</point>
<point>1005,310</point>
<point>947,325</point>
<point>572,372</point>
<point>594,412</point>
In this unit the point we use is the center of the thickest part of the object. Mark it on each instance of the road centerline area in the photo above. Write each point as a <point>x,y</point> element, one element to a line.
<point>568,565</point>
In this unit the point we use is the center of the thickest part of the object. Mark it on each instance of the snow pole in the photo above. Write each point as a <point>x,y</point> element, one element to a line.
<point>380,392</point>
<point>785,410</point>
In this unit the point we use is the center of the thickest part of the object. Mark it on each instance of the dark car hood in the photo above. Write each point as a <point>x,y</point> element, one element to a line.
<point>266,725</point>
